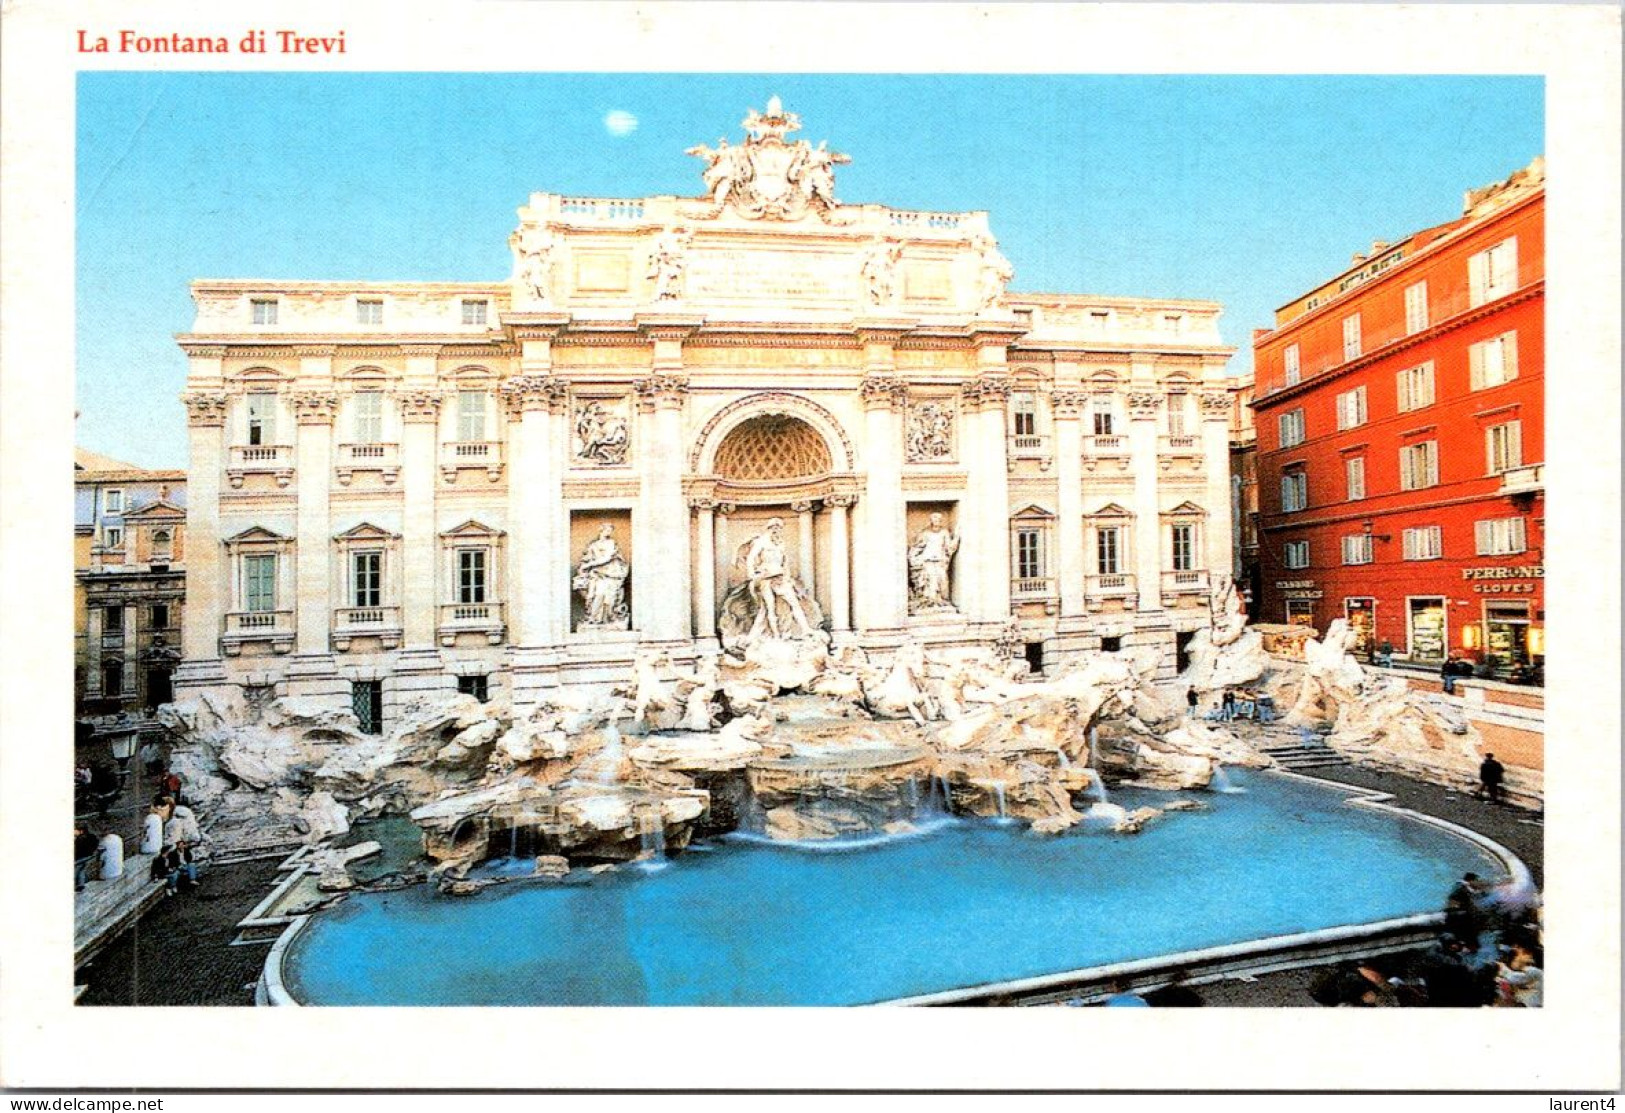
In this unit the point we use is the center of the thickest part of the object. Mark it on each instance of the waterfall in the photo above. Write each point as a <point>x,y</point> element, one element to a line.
<point>939,783</point>
<point>911,796</point>
<point>1094,749</point>
<point>1066,762</point>
<point>606,762</point>
<point>1221,781</point>
<point>652,839</point>
<point>998,798</point>
<point>1097,787</point>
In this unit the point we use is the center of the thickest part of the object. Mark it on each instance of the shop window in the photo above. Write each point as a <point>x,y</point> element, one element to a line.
<point>1506,633</point>
<point>1300,612</point>
<point>1362,619</point>
<point>1425,627</point>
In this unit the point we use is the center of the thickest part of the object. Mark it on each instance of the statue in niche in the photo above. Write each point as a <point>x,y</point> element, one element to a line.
<point>601,580</point>
<point>532,261</point>
<point>996,273</point>
<point>601,435</point>
<point>880,271</point>
<point>666,263</point>
<point>771,602</point>
<point>930,432</point>
<point>928,567</point>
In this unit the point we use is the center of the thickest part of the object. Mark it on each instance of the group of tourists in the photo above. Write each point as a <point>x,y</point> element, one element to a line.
<point>169,830</point>
<point>1234,703</point>
<point>1489,954</point>
<point>170,833</point>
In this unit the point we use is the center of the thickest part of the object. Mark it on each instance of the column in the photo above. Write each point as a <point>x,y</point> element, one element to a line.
<point>1069,407</point>
<point>985,529</point>
<point>667,604</point>
<point>207,594</point>
<point>721,570</point>
<point>804,542</point>
<point>1215,410</point>
<point>537,583</point>
<point>1142,436</point>
<point>94,616</point>
<point>129,648</point>
<point>840,570</point>
<point>424,579</point>
<point>705,568</point>
<point>882,546</point>
<point>314,411</point>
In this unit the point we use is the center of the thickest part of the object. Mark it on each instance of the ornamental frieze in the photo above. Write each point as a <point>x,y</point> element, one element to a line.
<point>204,409</point>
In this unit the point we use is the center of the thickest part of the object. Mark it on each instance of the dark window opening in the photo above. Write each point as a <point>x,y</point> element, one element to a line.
<point>160,616</point>
<point>367,699</point>
<point>1111,645</point>
<point>1182,649</point>
<point>477,686</point>
<point>1035,657</point>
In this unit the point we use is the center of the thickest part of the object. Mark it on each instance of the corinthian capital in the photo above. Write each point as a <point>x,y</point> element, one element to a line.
<point>988,390</point>
<point>1214,404</point>
<point>1069,403</point>
<point>314,407</point>
<point>883,390</point>
<point>204,408</point>
<point>534,394</point>
<point>661,389</point>
<point>1143,403</point>
<point>421,405</point>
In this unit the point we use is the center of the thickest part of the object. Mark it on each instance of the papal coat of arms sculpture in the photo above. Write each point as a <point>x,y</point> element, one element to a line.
<point>768,177</point>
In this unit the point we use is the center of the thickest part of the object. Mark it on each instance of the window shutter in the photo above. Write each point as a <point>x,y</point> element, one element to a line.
<point>1515,535</point>
<point>1402,391</point>
<point>1426,375</point>
<point>1484,537</point>
<point>1475,364</point>
<point>1478,278</point>
<point>1509,356</point>
<point>1515,444</point>
<point>1507,278</point>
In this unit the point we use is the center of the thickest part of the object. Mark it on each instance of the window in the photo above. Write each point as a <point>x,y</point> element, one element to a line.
<point>261,418</point>
<point>369,311</point>
<point>1351,337</point>
<point>1357,548</point>
<point>367,700</point>
<point>1100,319</point>
<point>1111,644</point>
<point>477,686</point>
<point>1173,322</point>
<point>1494,273</point>
<point>162,544</point>
<point>112,678</point>
<point>474,312</point>
<point>1300,612</point>
<point>259,582</point>
<point>1503,447</point>
<point>1416,307</point>
<point>1291,428</point>
<point>1184,547</point>
<point>367,417</point>
<point>1294,491</point>
<point>471,415</point>
<point>1423,543</point>
<point>115,501</point>
<point>1426,629</point>
<point>471,575</point>
<point>1108,551</point>
<point>1029,554</point>
<point>1024,412</point>
<point>366,580</point>
<point>160,616</point>
<point>1499,536</point>
<point>1354,473</point>
<point>1351,408</point>
<point>1293,373</point>
<point>1494,361</point>
<point>264,310</point>
<point>113,537</point>
<point>1295,554</point>
<point>1103,415</point>
<point>1419,466</point>
<point>1176,414</point>
<point>113,620</point>
<point>1414,388</point>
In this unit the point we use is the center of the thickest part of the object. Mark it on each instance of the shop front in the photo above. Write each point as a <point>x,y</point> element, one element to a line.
<point>1361,614</point>
<point>1425,628</point>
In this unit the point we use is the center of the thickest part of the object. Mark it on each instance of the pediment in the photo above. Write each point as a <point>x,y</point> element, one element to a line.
<point>1112,510</point>
<point>472,528</point>
<point>258,534</point>
<point>366,531</point>
<point>1033,510</point>
<point>1186,508</point>
<point>160,510</point>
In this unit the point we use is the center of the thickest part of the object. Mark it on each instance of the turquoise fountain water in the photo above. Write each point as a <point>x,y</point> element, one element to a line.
<point>967,902</point>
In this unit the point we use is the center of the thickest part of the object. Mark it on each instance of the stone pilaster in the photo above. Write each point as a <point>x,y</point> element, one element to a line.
<point>1069,408</point>
<point>662,566</point>
<point>840,564</point>
<point>1215,411</point>
<point>804,543</point>
<point>1143,404</point>
<point>313,411</point>
<point>705,567</point>
<point>882,545</point>
<point>94,615</point>
<point>207,593</point>
<point>538,582</point>
<point>984,550</point>
<point>420,442</point>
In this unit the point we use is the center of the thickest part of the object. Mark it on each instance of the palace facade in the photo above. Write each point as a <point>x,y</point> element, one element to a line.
<point>504,487</point>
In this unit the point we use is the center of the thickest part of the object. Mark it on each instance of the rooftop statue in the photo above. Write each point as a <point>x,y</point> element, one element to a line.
<point>768,177</point>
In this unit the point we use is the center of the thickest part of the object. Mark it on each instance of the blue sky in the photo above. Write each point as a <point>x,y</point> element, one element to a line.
<point>1244,190</point>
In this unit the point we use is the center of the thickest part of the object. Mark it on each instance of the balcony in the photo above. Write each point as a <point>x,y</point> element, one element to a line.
<point>1110,584</point>
<point>260,459</point>
<point>382,458</point>
<point>470,618</point>
<point>1032,588</point>
<point>1527,480</point>
<point>1180,448</point>
<point>1184,583</point>
<point>1109,444</point>
<point>457,455</point>
<point>350,623</point>
<point>1031,446</point>
<point>272,627</point>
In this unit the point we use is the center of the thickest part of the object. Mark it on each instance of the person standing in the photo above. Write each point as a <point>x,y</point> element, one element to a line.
<point>1491,773</point>
<point>1190,701</point>
<point>1447,674</point>
<point>1229,705</point>
<point>84,852</point>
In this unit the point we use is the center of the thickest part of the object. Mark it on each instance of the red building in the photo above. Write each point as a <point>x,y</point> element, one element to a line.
<point>1400,412</point>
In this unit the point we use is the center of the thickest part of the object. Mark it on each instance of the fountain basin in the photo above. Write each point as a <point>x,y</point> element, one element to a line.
<point>965,904</point>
